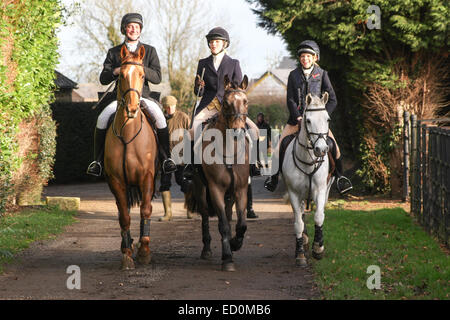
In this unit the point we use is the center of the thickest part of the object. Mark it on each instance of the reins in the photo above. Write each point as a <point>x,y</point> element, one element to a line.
<point>120,134</point>
<point>317,162</point>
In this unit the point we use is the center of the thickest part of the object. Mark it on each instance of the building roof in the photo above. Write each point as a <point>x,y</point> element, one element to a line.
<point>62,82</point>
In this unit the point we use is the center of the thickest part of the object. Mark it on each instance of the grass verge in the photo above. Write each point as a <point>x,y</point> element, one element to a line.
<point>412,264</point>
<point>19,230</point>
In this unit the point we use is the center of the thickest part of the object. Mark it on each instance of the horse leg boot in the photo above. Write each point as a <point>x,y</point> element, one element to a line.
<point>167,202</point>
<point>318,248</point>
<point>127,250</point>
<point>144,255</point>
<point>95,168</point>
<point>168,165</point>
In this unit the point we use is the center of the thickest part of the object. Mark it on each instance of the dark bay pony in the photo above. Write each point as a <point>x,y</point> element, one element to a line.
<point>220,185</point>
<point>131,157</point>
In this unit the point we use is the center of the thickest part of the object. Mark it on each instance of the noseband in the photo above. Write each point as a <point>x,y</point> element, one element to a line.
<point>320,135</point>
<point>235,115</point>
<point>317,162</point>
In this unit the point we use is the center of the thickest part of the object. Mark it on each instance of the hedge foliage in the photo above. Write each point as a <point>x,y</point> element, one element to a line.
<point>28,56</point>
<point>361,55</point>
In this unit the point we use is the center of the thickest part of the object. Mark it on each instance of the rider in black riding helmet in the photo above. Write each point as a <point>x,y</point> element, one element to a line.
<point>211,86</point>
<point>131,26</point>
<point>309,78</point>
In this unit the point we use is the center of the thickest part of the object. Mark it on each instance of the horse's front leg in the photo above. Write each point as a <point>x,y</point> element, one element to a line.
<point>206,236</point>
<point>217,197</point>
<point>301,240</point>
<point>144,255</point>
<point>241,224</point>
<point>126,246</point>
<point>319,216</point>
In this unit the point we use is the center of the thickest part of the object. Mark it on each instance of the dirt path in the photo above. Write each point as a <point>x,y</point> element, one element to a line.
<point>265,264</point>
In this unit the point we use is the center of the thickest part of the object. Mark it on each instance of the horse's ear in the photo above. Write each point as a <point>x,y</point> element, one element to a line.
<point>123,52</point>
<point>325,97</point>
<point>244,83</point>
<point>226,83</point>
<point>308,99</point>
<point>141,53</point>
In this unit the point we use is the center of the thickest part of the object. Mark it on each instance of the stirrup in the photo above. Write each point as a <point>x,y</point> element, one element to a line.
<point>94,169</point>
<point>343,184</point>
<point>169,166</point>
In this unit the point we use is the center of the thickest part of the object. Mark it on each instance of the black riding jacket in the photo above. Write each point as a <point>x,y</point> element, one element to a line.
<point>152,67</point>
<point>214,80</point>
<point>317,83</point>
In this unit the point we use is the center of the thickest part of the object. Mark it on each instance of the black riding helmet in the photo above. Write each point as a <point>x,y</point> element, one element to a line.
<point>308,46</point>
<point>218,33</point>
<point>129,18</point>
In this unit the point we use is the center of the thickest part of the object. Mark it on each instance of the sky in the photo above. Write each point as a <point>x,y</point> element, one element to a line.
<point>254,44</point>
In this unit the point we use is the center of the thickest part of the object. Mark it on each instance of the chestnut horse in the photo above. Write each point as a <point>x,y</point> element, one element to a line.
<point>221,184</point>
<point>131,156</point>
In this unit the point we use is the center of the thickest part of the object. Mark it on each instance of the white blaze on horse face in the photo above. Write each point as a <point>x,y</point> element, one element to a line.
<point>129,77</point>
<point>318,123</point>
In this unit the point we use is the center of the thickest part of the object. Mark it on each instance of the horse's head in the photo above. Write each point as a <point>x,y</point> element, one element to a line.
<point>316,122</point>
<point>235,103</point>
<point>131,80</point>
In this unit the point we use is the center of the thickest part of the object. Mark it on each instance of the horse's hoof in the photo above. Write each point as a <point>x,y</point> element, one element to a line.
<point>317,251</point>
<point>228,266</point>
<point>127,263</point>
<point>301,261</point>
<point>236,244</point>
<point>206,254</point>
<point>144,258</point>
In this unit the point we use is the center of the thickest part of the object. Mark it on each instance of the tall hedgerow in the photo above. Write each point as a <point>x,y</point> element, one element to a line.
<point>28,57</point>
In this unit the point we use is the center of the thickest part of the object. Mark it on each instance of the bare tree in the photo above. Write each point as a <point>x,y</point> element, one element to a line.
<point>179,27</point>
<point>99,25</point>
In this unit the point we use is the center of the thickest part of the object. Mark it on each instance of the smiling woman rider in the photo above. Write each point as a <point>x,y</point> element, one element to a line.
<point>131,26</point>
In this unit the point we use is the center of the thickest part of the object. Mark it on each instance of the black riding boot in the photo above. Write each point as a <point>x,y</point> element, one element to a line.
<point>168,165</point>
<point>343,184</point>
<point>250,213</point>
<point>255,168</point>
<point>95,168</point>
<point>188,170</point>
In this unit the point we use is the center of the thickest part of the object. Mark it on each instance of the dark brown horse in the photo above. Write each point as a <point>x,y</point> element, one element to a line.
<point>130,157</point>
<point>219,186</point>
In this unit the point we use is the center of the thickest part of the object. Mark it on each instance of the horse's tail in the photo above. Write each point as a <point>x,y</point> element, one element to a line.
<point>190,202</point>
<point>134,196</point>
<point>193,204</point>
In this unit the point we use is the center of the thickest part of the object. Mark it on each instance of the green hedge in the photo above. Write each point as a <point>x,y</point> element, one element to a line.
<point>75,130</point>
<point>28,56</point>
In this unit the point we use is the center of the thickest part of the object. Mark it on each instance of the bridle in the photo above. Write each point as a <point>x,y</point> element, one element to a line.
<point>317,161</point>
<point>309,134</point>
<point>120,136</point>
<point>122,102</point>
<point>234,115</point>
